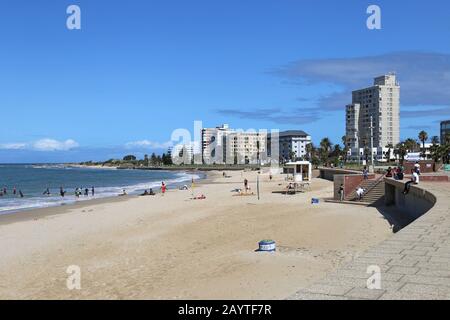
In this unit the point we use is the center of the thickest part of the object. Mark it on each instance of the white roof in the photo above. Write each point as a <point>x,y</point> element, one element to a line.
<point>298,163</point>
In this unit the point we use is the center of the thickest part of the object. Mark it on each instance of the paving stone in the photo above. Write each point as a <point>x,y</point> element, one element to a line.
<point>415,252</point>
<point>315,296</point>
<point>403,270</point>
<point>328,289</point>
<point>360,293</point>
<point>425,289</point>
<point>435,272</point>
<point>404,262</point>
<point>422,279</point>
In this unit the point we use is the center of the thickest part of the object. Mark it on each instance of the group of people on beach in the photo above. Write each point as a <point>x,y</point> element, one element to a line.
<point>398,174</point>
<point>78,192</point>
<point>15,192</point>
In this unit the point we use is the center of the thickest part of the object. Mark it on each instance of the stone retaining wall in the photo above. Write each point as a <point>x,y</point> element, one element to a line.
<point>413,263</point>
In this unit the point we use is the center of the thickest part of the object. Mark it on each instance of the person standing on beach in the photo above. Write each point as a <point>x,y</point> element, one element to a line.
<point>21,194</point>
<point>62,192</point>
<point>341,192</point>
<point>86,192</point>
<point>93,191</point>
<point>163,188</point>
<point>5,192</point>
<point>14,191</point>
<point>246,185</point>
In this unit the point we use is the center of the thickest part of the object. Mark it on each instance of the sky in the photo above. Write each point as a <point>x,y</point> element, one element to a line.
<point>139,69</point>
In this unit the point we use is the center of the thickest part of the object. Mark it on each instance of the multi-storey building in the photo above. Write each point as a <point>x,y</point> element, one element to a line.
<point>222,145</point>
<point>377,106</point>
<point>292,144</point>
<point>213,146</point>
<point>445,130</point>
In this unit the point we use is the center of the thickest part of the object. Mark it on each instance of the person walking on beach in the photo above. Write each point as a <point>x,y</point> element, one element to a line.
<point>14,191</point>
<point>246,185</point>
<point>86,192</point>
<point>62,192</point>
<point>163,188</point>
<point>93,191</point>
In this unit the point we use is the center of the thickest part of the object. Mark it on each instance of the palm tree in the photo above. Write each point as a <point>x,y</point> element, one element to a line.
<point>434,140</point>
<point>423,136</point>
<point>310,150</point>
<point>345,150</point>
<point>325,145</point>
<point>401,151</point>
<point>411,145</point>
<point>390,147</point>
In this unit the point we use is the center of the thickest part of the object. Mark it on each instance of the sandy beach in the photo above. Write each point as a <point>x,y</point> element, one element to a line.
<point>173,247</point>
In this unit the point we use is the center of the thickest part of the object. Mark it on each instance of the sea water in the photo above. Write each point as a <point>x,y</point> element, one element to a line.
<point>33,180</point>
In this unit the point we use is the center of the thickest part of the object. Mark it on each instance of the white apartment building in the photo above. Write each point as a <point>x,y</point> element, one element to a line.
<point>213,147</point>
<point>246,148</point>
<point>222,145</point>
<point>292,144</point>
<point>379,106</point>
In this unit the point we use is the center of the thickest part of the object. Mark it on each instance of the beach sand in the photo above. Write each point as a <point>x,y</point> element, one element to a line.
<point>172,247</point>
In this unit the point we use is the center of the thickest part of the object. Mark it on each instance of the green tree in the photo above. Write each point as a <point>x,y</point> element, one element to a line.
<point>411,145</point>
<point>153,159</point>
<point>129,157</point>
<point>401,150</point>
<point>388,153</point>
<point>325,146</point>
<point>423,137</point>
<point>310,151</point>
<point>345,149</point>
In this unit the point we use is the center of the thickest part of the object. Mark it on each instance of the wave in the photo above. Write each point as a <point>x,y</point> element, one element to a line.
<point>10,205</point>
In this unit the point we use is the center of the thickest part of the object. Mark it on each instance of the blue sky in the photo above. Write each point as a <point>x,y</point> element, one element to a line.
<point>139,69</point>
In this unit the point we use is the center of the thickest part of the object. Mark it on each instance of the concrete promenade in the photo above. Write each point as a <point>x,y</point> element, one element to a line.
<point>414,263</point>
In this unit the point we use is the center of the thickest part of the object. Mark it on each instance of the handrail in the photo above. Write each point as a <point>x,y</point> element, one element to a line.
<point>377,181</point>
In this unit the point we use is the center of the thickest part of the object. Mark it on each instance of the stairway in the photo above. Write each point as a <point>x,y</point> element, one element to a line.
<point>373,191</point>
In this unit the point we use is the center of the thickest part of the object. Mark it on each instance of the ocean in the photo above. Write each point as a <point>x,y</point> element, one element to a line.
<point>33,180</point>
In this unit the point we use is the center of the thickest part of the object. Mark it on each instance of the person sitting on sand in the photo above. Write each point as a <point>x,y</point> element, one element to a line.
<point>185,187</point>
<point>145,193</point>
<point>201,197</point>
<point>151,193</point>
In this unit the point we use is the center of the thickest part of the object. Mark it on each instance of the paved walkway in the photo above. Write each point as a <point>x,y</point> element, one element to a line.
<point>414,263</point>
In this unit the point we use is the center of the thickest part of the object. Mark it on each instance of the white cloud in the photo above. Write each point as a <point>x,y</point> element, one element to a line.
<point>54,145</point>
<point>42,145</point>
<point>148,144</point>
<point>13,146</point>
